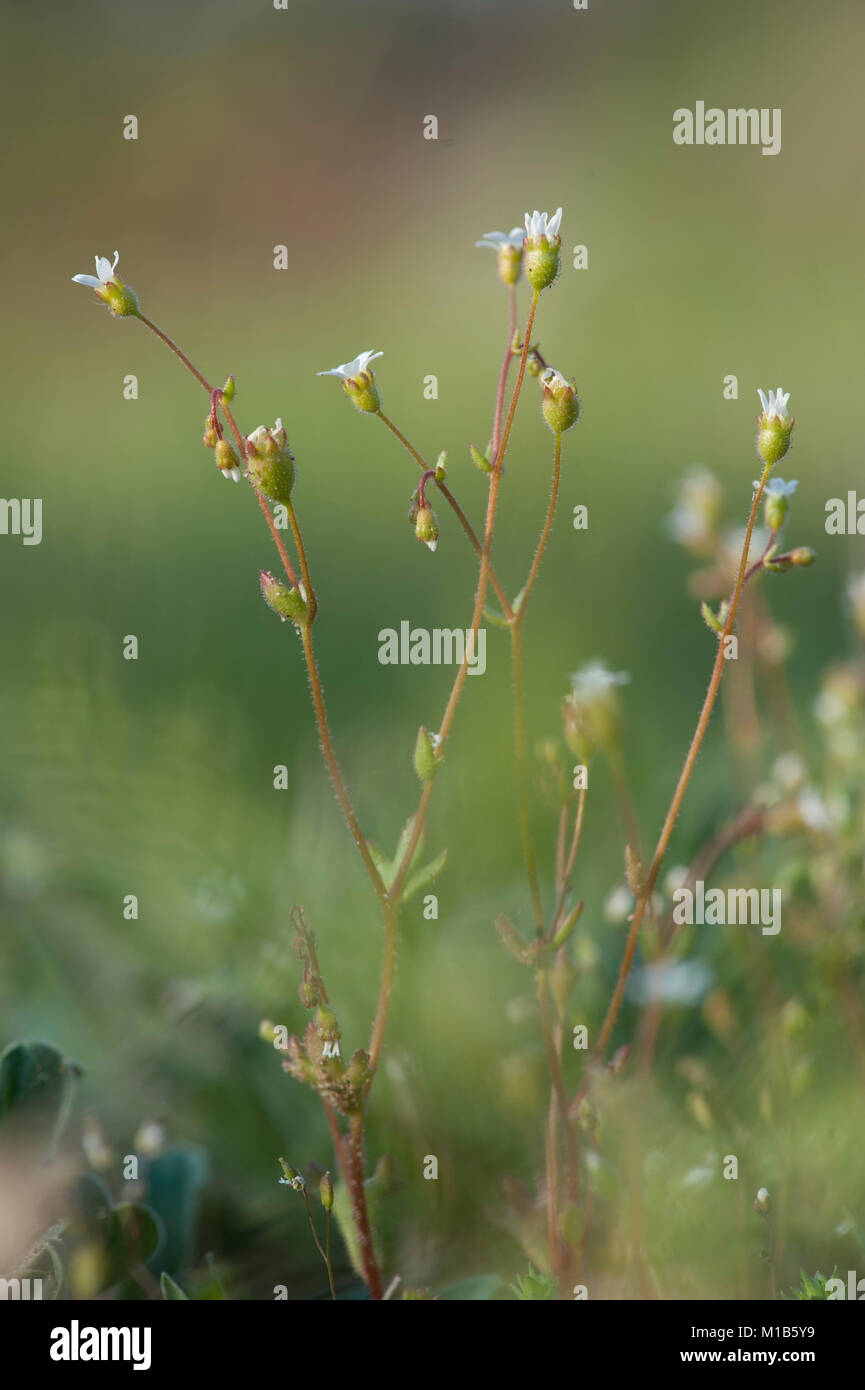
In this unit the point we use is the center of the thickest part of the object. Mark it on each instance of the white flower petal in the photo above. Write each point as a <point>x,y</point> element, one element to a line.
<point>350,369</point>
<point>554,223</point>
<point>90,280</point>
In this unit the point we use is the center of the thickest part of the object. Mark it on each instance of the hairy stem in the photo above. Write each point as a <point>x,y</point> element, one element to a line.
<point>359,1209</point>
<point>676,803</point>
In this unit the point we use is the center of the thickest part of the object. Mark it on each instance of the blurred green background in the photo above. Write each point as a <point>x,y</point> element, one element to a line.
<point>304,127</point>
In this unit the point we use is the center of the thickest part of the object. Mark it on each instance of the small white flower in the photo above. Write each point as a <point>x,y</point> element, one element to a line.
<point>673,982</point>
<point>538,226</point>
<point>348,370</point>
<point>776,487</point>
<point>496,240</point>
<point>104,273</point>
<point>776,406</point>
<point>594,680</point>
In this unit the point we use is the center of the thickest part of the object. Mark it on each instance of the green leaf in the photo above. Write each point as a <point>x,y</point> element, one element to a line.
<point>428,874</point>
<point>384,866</point>
<point>404,841</point>
<point>172,1292</point>
<point>494,616</point>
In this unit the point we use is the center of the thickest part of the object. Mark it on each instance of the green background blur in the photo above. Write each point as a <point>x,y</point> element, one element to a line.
<point>260,127</point>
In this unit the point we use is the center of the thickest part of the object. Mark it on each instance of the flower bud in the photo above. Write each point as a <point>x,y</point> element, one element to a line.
<point>774,427</point>
<point>228,390</point>
<point>325,1189</point>
<point>426,527</point>
<point>327,1024</point>
<point>777,505</point>
<point>210,438</point>
<point>763,1202</point>
<point>270,463</point>
<point>358,1071</point>
<point>425,761</point>
<point>309,992</point>
<point>560,403</point>
<point>227,460</point>
<point>803,556</point>
<point>290,1176</point>
<point>591,712</point>
<point>441,467</point>
<point>508,247</point>
<point>541,248</point>
<point>286,603</point>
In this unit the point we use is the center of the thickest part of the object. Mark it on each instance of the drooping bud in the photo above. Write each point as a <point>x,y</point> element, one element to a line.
<point>426,527</point>
<point>541,248</point>
<point>227,460</point>
<point>802,556</point>
<point>210,438</point>
<point>270,463</point>
<point>774,427</point>
<point>560,403</point>
<point>287,604</point>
